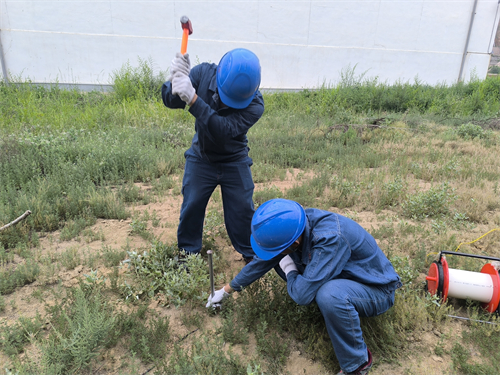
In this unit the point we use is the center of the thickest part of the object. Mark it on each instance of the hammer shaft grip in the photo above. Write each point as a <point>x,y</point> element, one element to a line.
<point>184,44</point>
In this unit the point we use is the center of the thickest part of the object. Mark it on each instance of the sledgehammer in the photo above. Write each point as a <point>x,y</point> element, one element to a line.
<point>187,29</point>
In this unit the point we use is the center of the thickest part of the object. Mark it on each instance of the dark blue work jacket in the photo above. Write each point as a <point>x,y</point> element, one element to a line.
<point>333,247</point>
<point>221,133</point>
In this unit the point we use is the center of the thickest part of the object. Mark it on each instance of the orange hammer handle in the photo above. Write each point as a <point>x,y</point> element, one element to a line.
<point>184,44</point>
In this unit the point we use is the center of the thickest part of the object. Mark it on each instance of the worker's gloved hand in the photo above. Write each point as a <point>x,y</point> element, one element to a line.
<point>287,264</point>
<point>182,86</point>
<point>180,64</point>
<point>216,301</point>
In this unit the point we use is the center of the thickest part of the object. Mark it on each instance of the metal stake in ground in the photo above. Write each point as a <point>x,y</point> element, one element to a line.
<point>211,269</point>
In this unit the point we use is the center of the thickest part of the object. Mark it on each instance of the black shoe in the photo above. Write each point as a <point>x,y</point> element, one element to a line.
<point>363,369</point>
<point>182,259</point>
<point>247,260</point>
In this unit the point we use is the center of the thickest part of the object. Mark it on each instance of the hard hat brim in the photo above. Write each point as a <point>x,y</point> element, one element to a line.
<point>233,103</point>
<point>264,254</point>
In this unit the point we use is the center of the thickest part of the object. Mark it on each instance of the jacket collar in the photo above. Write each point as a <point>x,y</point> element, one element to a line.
<point>213,83</point>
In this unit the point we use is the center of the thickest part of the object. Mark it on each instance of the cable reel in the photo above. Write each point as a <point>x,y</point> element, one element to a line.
<point>481,286</point>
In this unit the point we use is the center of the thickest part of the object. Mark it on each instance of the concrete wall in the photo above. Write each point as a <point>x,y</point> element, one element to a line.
<point>301,44</point>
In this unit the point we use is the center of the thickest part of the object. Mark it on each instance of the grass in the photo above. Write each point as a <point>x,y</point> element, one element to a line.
<point>416,164</point>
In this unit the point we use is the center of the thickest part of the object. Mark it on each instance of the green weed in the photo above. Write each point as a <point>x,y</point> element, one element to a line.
<point>79,332</point>
<point>5,256</point>
<point>113,257</point>
<point>204,356</point>
<point>391,193</point>
<point>193,318</point>
<point>158,271</point>
<point>432,203</point>
<point>471,131</point>
<point>262,196</point>
<point>272,347</point>
<point>70,258</point>
<point>23,274</point>
<point>142,82</point>
<point>147,338</point>
<point>482,336</point>
<point>73,228</point>
<point>13,338</point>
<point>232,330</point>
<point>2,303</point>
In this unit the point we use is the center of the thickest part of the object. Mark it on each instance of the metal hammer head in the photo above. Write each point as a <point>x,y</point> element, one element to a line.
<point>186,24</point>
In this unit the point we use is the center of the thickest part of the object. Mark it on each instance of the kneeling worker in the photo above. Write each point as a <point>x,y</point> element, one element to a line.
<point>328,258</point>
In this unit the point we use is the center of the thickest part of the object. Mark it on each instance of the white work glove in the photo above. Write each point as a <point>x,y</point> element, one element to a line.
<point>182,86</point>
<point>180,64</point>
<point>287,264</point>
<point>216,301</point>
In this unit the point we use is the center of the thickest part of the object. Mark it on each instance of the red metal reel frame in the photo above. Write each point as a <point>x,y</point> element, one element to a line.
<point>433,279</point>
<point>446,282</point>
<point>495,277</point>
<point>437,283</point>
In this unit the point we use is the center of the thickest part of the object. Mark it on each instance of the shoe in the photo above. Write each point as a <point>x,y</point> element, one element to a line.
<point>363,369</point>
<point>247,260</point>
<point>182,259</point>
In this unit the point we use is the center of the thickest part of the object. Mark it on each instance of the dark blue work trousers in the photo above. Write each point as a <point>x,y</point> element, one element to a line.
<point>199,181</point>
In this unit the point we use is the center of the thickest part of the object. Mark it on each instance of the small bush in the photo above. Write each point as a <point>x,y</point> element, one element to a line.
<point>70,258</point>
<point>494,69</point>
<point>232,330</point>
<point>24,274</point>
<point>272,347</point>
<point>203,357</point>
<point>14,337</point>
<point>147,338</point>
<point>73,228</point>
<point>262,196</point>
<point>138,83</point>
<point>391,193</point>
<point>486,338</point>
<point>80,331</point>
<point>158,271</point>
<point>432,203</point>
<point>471,131</point>
<point>111,257</point>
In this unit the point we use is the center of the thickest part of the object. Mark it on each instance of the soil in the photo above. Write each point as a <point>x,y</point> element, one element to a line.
<point>117,234</point>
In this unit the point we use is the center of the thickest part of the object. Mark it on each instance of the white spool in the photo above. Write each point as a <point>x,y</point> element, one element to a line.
<point>472,285</point>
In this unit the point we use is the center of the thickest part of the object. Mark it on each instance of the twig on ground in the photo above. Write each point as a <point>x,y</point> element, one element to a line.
<point>22,217</point>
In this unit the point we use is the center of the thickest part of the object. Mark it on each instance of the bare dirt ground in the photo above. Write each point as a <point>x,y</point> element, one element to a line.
<point>117,234</point>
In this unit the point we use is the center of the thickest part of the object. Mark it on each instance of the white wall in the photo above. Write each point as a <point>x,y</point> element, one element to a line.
<point>301,44</point>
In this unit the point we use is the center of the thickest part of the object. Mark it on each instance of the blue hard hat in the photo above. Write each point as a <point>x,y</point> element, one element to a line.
<point>275,226</point>
<point>238,77</point>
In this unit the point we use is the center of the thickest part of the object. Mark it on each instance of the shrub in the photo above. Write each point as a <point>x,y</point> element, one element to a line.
<point>158,270</point>
<point>147,337</point>
<point>138,83</point>
<point>14,337</point>
<point>432,203</point>
<point>204,356</point>
<point>471,131</point>
<point>80,330</point>
<point>24,274</point>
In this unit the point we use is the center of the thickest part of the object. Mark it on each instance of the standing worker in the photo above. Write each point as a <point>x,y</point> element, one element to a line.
<point>226,103</point>
<point>328,258</point>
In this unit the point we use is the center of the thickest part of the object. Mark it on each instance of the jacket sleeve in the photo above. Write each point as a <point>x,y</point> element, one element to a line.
<point>174,101</point>
<point>229,126</point>
<point>330,254</point>
<point>253,271</point>
<point>170,100</point>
